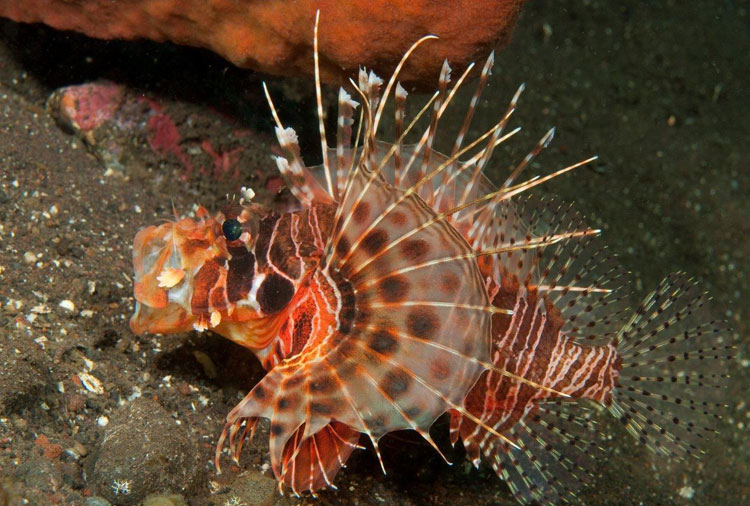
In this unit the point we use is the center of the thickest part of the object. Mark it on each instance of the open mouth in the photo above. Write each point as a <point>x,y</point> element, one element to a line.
<point>156,309</point>
<point>169,319</point>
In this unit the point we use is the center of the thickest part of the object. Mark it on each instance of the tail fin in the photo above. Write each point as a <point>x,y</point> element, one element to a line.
<point>668,392</point>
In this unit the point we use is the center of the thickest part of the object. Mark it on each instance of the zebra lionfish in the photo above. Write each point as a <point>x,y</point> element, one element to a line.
<point>407,286</point>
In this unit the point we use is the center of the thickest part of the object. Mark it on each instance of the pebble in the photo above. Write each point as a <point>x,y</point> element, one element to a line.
<point>252,487</point>
<point>76,403</point>
<point>21,382</point>
<point>141,438</point>
<point>40,473</point>
<point>97,501</point>
<point>165,500</point>
<point>77,450</point>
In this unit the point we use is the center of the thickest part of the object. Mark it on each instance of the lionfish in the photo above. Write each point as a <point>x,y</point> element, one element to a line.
<point>407,286</point>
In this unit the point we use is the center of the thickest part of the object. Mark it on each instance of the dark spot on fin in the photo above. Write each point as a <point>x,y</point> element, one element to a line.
<point>422,323</point>
<point>394,288</point>
<point>383,342</point>
<point>375,241</point>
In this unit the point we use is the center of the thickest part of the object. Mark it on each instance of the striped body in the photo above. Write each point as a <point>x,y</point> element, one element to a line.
<point>531,344</point>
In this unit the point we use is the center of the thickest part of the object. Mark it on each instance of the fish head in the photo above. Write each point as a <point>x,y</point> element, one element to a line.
<point>198,274</point>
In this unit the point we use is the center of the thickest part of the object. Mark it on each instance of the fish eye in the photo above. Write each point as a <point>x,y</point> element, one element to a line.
<point>232,229</point>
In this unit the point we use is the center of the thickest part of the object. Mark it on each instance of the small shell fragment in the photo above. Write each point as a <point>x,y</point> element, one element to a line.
<point>68,305</point>
<point>88,364</point>
<point>91,383</point>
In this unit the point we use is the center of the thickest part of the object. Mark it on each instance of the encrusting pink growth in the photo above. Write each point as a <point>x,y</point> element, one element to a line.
<point>407,286</point>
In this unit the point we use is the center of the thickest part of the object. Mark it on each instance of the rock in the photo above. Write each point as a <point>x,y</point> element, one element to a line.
<point>144,452</point>
<point>22,381</point>
<point>165,500</point>
<point>127,130</point>
<point>40,474</point>
<point>97,501</point>
<point>276,37</point>
<point>85,108</point>
<point>51,450</point>
<point>251,488</point>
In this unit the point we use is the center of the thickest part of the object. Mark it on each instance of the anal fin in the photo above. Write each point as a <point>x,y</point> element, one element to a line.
<point>311,463</point>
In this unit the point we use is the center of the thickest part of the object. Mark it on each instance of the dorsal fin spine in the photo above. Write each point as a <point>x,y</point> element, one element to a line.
<point>338,232</point>
<point>319,101</point>
<point>424,179</point>
<point>400,96</point>
<point>343,139</point>
<point>437,112</point>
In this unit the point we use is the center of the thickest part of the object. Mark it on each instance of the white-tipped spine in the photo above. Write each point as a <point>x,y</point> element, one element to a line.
<point>343,139</point>
<point>319,101</point>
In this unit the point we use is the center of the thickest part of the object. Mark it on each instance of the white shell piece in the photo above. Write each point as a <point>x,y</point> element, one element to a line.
<point>67,304</point>
<point>91,383</point>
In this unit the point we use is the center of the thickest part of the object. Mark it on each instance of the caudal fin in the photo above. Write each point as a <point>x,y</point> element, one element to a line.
<point>674,365</point>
